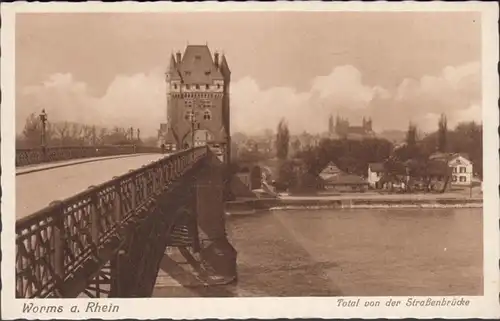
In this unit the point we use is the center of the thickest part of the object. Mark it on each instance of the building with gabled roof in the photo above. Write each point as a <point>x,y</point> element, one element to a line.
<point>198,101</point>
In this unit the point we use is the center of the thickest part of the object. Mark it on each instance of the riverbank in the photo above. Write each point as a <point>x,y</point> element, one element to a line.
<point>350,201</point>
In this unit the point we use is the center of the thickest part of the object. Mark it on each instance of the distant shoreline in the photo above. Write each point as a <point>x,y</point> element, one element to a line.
<point>250,206</point>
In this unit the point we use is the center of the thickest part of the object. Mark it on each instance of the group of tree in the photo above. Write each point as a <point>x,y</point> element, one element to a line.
<point>466,139</point>
<point>72,134</point>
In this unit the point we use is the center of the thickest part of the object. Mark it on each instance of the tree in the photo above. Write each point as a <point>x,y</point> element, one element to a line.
<point>32,132</point>
<point>296,145</point>
<point>411,136</point>
<point>282,140</point>
<point>442,133</point>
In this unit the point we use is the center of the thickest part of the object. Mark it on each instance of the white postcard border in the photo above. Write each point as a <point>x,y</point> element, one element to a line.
<point>487,306</point>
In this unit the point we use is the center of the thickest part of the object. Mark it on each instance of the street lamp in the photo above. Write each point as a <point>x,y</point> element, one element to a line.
<point>192,118</point>
<point>43,119</point>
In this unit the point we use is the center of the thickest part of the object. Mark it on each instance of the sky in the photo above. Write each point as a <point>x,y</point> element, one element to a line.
<point>395,67</point>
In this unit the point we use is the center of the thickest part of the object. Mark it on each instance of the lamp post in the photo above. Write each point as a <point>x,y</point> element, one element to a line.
<point>194,123</point>
<point>43,120</point>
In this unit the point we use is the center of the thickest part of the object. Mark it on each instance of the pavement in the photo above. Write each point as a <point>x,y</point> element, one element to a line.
<point>22,170</point>
<point>50,182</point>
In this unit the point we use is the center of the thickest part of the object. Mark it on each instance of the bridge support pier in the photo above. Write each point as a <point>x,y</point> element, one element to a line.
<point>217,254</point>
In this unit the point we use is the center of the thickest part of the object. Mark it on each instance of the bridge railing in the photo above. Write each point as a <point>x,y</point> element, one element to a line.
<point>31,156</point>
<point>56,244</point>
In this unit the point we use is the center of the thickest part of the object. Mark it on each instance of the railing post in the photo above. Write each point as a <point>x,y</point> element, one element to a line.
<point>133,190</point>
<point>145,185</point>
<point>117,203</point>
<point>94,219</point>
<point>59,245</point>
<point>156,178</point>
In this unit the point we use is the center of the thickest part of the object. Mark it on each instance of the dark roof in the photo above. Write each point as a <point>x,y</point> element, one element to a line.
<point>447,156</point>
<point>376,167</point>
<point>197,66</point>
<point>345,179</point>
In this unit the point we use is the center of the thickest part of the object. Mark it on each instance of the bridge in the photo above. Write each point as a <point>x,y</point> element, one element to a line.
<point>96,221</point>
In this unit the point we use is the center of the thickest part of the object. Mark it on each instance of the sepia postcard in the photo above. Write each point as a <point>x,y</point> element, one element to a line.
<point>249,160</point>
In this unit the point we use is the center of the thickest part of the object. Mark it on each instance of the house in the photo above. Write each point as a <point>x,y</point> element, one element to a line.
<point>333,179</point>
<point>461,167</point>
<point>462,170</point>
<point>345,183</point>
<point>375,172</point>
<point>330,170</point>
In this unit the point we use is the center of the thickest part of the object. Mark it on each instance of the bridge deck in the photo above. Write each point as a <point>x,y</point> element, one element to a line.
<point>36,190</point>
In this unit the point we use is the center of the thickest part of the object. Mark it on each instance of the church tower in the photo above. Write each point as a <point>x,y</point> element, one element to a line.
<point>198,101</point>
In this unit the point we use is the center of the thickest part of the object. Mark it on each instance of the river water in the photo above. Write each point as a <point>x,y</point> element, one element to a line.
<point>353,253</point>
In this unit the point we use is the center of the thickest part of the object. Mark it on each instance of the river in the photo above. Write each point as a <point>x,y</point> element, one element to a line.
<point>353,253</point>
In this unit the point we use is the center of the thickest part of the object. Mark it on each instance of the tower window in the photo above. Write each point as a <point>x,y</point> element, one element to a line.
<point>189,103</point>
<point>207,73</point>
<point>197,57</point>
<point>188,73</point>
<point>197,86</point>
<point>207,87</point>
<point>175,86</point>
<point>218,86</point>
<point>207,115</point>
<point>188,87</point>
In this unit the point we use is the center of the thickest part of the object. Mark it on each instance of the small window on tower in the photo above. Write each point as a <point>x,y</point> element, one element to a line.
<point>207,115</point>
<point>188,87</point>
<point>197,86</point>
<point>175,86</point>
<point>208,73</point>
<point>197,57</point>
<point>218,86</point>
<point>207,87</point>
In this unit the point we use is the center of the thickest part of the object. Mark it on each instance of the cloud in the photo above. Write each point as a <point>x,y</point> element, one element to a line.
<point>140,101</point>
<point>130,101</point>
<point>456,92</point>
<point>254,109</point>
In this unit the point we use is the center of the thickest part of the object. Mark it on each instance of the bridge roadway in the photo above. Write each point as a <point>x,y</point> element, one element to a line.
<point>37,188</point>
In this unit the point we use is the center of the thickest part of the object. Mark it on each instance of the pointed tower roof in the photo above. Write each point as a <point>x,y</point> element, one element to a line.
<point>197,66</point>
<point>224,67</point>
<point>172,69</point>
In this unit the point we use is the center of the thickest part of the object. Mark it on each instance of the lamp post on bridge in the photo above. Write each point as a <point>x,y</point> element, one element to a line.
<point>43,120</point>
<point>194,123</point>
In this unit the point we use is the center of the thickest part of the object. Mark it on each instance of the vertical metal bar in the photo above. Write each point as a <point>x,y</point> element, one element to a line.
<point>59,245</point>
<point>133,188</point>
<point>118,203</point>
<point>94,219</point>
<point>146,176</point>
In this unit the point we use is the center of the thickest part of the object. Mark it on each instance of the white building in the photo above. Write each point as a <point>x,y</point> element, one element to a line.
<point>375,172</point>
<point>462,170</point>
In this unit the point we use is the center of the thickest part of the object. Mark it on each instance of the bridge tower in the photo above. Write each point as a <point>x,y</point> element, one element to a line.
<point>198,110</point>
